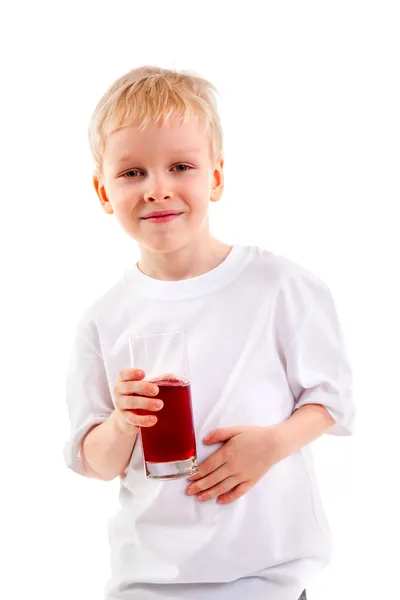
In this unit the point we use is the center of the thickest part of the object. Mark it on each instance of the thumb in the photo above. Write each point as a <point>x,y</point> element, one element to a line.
<point>221,435</point>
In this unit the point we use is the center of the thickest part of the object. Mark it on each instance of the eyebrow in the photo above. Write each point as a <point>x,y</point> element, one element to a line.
<point>128,157</point>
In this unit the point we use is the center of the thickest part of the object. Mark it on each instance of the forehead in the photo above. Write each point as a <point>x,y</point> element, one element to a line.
<point>156,141</point>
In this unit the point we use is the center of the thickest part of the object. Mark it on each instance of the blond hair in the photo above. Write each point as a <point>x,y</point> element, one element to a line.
<point>150,95</point>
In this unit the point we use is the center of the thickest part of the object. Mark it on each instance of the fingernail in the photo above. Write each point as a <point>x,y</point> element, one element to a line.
<point>154,389</point>
<point>159,403</point>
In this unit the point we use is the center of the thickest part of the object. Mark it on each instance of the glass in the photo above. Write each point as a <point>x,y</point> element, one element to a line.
<point>169,446</point>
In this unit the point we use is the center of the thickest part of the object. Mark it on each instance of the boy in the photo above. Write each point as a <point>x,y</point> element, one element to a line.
<point>262,334</point>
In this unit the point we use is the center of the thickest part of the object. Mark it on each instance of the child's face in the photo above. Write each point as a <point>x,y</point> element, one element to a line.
<point>163,168</point>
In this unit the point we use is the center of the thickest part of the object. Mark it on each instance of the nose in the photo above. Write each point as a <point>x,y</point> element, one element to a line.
<point>157,190</point>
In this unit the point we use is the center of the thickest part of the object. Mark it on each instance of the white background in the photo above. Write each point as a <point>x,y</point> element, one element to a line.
<point>310,107</point>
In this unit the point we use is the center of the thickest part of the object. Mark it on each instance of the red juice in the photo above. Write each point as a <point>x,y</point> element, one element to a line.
<point>172,438</point>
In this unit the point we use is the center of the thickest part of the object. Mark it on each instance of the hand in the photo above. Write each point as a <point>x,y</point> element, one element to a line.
<point>248,453</point>
<point>133,403</point>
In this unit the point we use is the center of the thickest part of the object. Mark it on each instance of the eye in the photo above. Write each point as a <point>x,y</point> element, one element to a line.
<point>129,172</point>
<point>185,168</point>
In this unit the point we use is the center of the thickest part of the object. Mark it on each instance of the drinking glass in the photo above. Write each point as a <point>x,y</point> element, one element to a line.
<point>169,446</point>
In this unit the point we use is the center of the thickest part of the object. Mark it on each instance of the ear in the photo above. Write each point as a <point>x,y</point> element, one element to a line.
<point>218,181</point>
<point>98,183</point>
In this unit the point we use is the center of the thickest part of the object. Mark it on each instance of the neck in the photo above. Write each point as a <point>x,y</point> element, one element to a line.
<point>190,261</point>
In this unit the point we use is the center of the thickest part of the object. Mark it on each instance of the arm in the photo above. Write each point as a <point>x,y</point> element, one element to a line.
<point>305,425</point>
<point>106,449</point>
<point>319,375</point>
<point>250,451</point>
<point>104,425</point>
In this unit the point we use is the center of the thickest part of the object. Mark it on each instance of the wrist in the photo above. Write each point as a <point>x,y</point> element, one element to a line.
<point>121,427</point>
<point>284,443</point>
<point>276,442</point>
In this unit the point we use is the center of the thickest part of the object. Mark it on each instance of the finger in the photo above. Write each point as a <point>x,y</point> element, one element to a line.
<point>209,465</point>
<point>139,420</point>
<point>140,388</point>
<point>207,482</point>
<point>131,374</point>
<point>221,488</point>
<point>139,403</point>
<point>237,492</point>
<point>222,434</point>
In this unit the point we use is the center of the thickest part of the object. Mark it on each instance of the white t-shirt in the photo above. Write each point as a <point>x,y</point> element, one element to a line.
<point>263,339</point>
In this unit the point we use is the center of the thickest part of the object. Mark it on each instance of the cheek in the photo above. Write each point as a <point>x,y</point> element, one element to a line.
<point>124,201</point>
<point>198,196</point>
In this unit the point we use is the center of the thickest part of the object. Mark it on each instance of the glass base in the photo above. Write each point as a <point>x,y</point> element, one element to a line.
<point>171,470</point>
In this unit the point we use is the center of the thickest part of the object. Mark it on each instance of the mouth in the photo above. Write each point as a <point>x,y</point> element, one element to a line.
<point>162,216</point>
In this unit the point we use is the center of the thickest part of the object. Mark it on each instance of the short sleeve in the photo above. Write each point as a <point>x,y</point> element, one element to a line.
<point>87,392</point>
<point>316,361</point>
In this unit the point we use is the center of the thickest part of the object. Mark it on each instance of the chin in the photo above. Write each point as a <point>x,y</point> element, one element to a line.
<point>163,246</point>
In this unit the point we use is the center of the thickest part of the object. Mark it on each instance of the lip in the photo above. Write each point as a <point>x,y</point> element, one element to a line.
<point>162,216</point>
